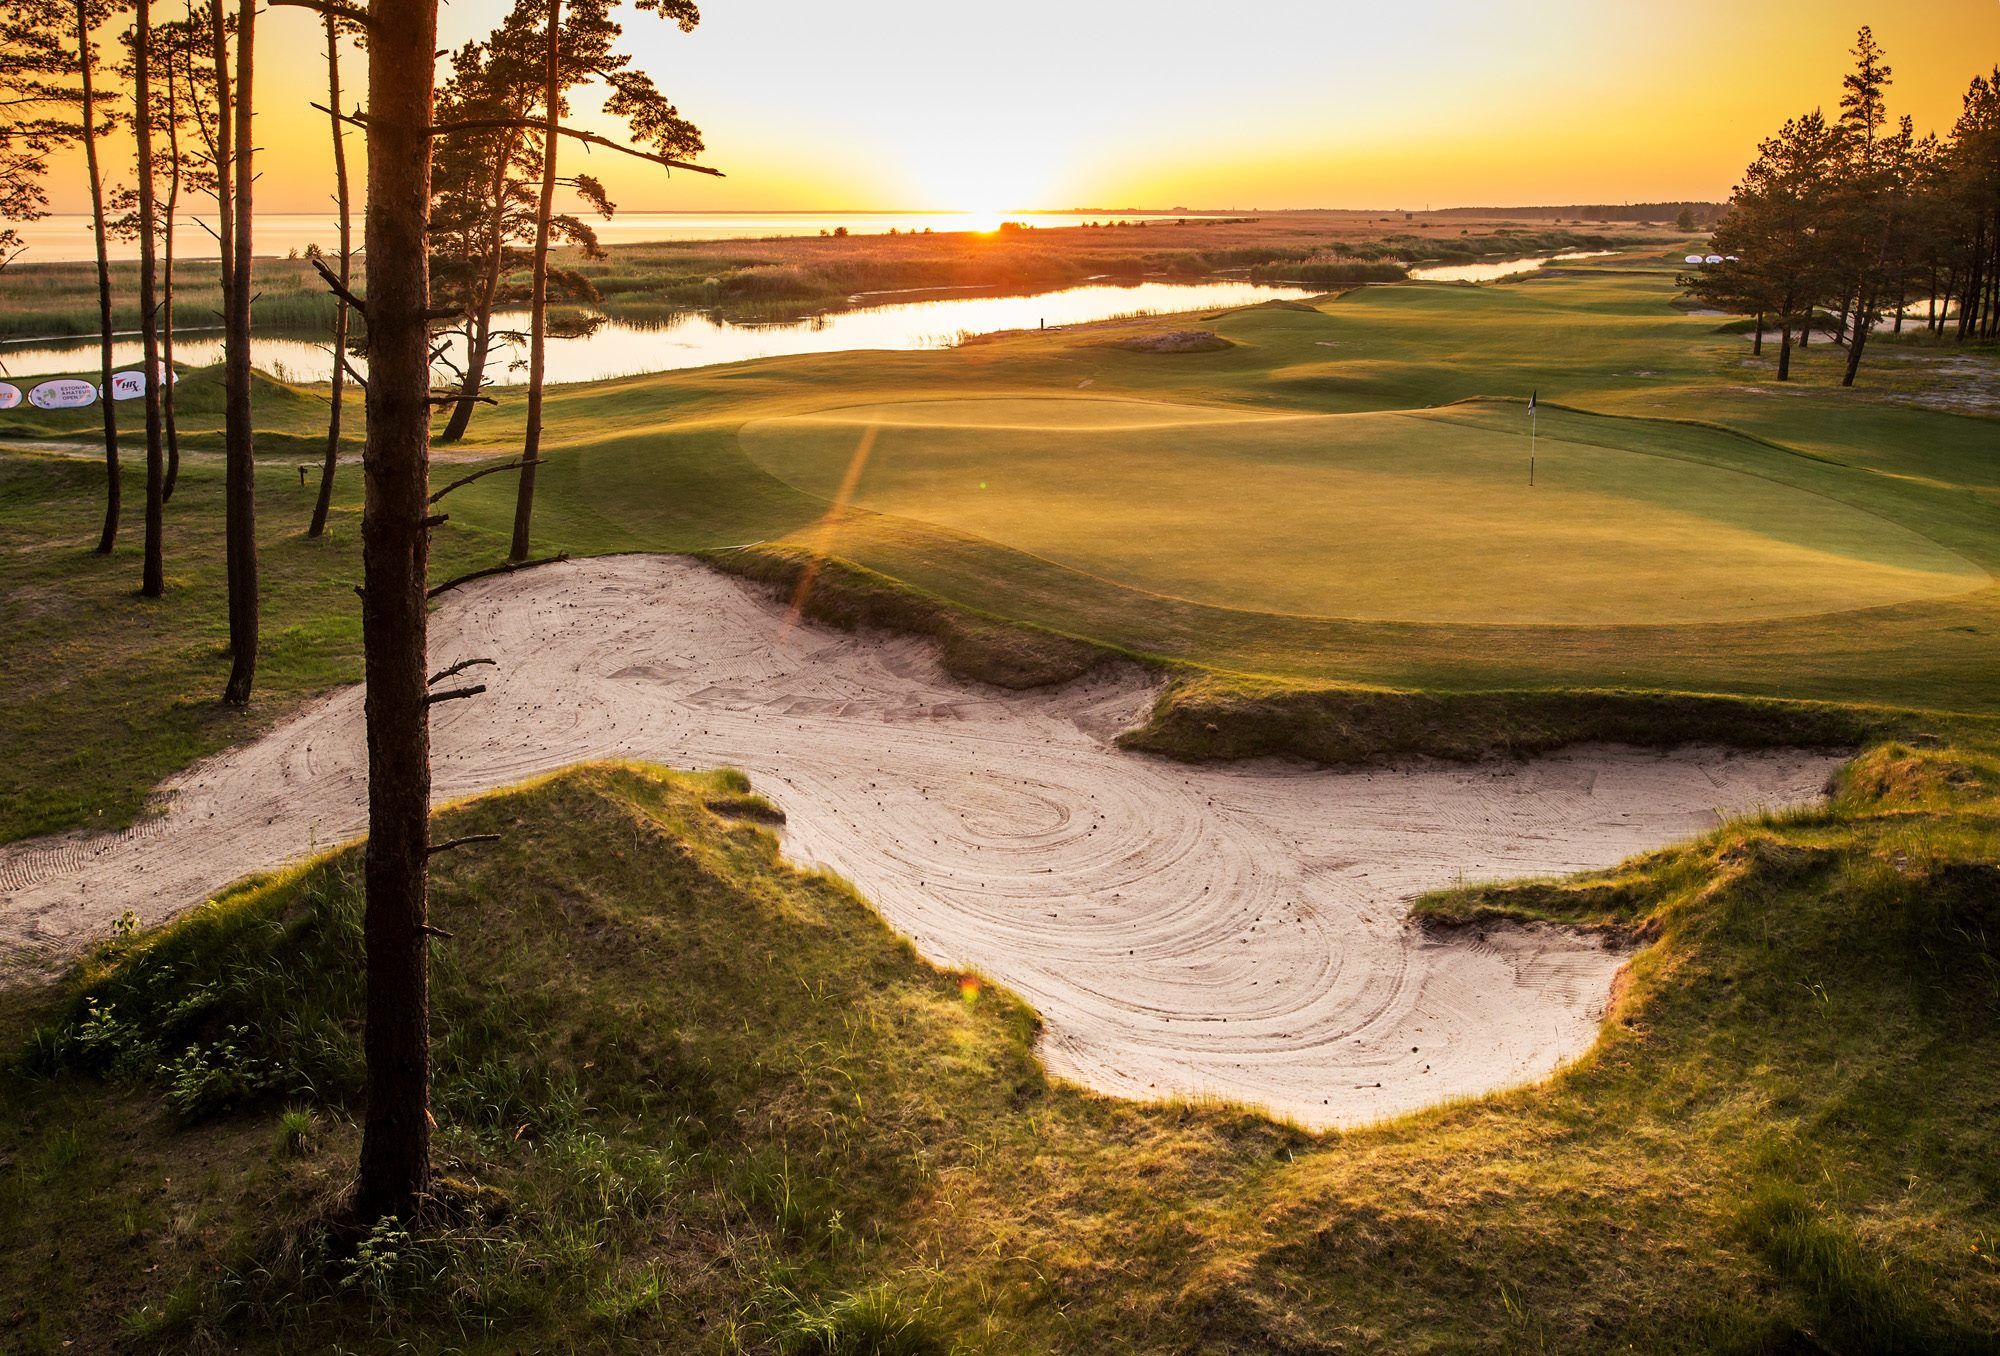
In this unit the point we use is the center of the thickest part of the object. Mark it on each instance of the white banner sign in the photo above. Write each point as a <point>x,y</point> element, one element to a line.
<point>130,385</point>
<point>10,395</point>
<point>64,393</point>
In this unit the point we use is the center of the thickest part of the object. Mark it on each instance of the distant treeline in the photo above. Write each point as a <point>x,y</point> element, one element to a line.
<point>1701,213</point>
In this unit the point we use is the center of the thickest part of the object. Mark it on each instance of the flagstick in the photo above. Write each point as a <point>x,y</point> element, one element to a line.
<point>1533,417</point>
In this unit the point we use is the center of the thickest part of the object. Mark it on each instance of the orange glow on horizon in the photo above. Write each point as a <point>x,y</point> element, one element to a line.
<point>907,104</point>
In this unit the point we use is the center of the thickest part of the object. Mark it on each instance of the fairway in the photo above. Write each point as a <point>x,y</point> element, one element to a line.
<point>1398,516</point>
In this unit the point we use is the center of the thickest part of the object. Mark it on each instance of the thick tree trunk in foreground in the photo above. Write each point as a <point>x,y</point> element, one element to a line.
<point>531,442</point>
<point>239,465</point>
<point>114,485</point>
<point>325,500</point>
<point>395,1137</point>
<point>153,575</point>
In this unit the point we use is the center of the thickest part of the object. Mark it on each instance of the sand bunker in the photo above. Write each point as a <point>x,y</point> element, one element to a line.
<point>1233,931</point>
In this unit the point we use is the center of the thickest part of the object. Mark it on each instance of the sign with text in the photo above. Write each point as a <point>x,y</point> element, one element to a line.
<point>132,385</point>
<point>10,395</point>
<point>64,393</point>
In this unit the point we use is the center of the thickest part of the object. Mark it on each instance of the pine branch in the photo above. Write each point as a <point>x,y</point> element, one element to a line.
<point>439,129</point>
<point>332,9</point>
<point>338,288</point>
<point>454,694</point>
<point>483,471</point>
<point>460,667</point>
<point>508,568</point>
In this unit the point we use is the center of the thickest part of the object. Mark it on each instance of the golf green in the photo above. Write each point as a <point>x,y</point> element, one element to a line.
<point>1418,516</point>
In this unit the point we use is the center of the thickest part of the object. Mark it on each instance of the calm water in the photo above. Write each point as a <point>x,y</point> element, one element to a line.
<point>68,238</point>
<point>693,340</point>
<point>1506,268</point>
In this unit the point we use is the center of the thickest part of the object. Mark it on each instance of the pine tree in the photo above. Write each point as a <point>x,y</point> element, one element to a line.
<point>37,115</point>
<point>578,50</point>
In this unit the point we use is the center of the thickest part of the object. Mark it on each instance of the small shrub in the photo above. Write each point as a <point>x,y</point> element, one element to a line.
<point>216,1077</point>
<point>871,1322</point>
<point>298,1133</point>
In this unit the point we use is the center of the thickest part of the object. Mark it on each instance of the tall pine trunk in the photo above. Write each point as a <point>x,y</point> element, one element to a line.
<point>114,488</point>
<point>239,464</point>
<point>167,419</point>
<point>395,1136</point>
<point>531,442</point>
<point>325,500</point>
<point>153,574</point>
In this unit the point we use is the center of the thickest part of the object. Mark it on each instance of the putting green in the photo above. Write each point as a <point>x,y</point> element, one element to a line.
<point>1422,516</point>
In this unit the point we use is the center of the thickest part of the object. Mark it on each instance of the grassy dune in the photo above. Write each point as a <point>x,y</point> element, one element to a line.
<point>692,1100</point>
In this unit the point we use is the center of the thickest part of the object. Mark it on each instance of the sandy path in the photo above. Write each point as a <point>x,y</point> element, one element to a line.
<point>1235,930</point>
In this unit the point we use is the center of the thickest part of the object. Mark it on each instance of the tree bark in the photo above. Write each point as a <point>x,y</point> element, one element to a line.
<point>1757,344</point>
<point>324,503</point>
<point>153,575</point>
<point>395,1137</point>
<point>531,442</point>
<point>167,420</point>
<point>1858,341</point>
<point>239,463</point>
<point>1785,341</point>
<point>114,482</point>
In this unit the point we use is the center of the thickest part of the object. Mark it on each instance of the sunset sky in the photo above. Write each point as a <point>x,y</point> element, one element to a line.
<point>929,104</point>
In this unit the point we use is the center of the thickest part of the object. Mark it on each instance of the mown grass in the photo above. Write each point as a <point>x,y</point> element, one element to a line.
<point>107,693</point>
<point>660,464</point>
<point>690,1099</point>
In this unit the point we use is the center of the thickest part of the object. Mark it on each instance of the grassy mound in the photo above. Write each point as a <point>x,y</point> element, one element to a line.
<point>690,1099</point>
<point>1221,717</point>
<point>840,593</point>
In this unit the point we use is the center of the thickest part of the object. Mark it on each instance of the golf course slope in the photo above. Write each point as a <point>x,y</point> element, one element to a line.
<point>656,1045</point>
<point>1234,932</point>
<point>1396,516</point>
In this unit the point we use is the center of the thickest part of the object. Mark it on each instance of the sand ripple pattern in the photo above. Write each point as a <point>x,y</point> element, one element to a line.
<point>1229,931</point>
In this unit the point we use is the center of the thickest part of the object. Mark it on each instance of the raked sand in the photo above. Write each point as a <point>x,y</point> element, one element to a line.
<point>1235,931</point>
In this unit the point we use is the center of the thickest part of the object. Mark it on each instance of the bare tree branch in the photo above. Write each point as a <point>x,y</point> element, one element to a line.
<point>484,471</point>
<point>439,129</point>
<point>345,13</point>
<point>335,286</point>
<point>453,694</point>
<point>491,570</point>
<point>460,667</point>
<point>464,841</point>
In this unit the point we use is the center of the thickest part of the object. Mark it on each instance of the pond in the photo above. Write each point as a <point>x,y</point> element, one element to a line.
<point>691,339</point>
<point>1504,268</point>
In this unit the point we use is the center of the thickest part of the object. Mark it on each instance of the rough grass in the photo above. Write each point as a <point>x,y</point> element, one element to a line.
<point>107,694</point>
<point>692,1100</point>
<point>1207,717</point>
<point>838,593</point>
